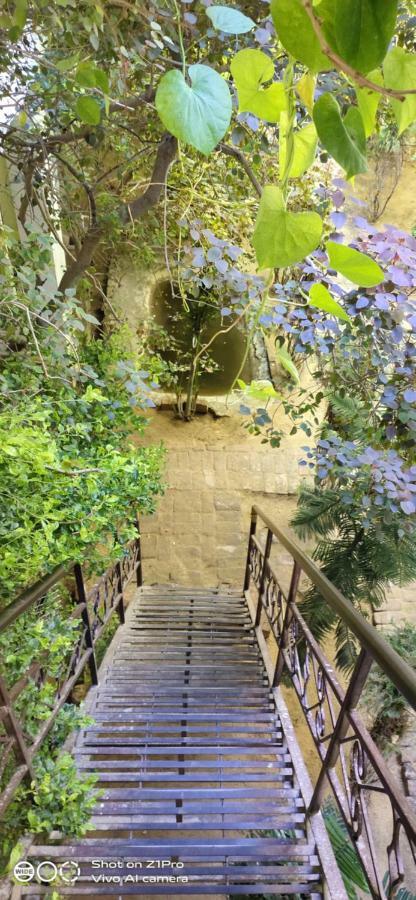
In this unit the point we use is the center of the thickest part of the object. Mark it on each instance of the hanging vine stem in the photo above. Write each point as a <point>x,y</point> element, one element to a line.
<point>291,118</point>
<point>180,36</point>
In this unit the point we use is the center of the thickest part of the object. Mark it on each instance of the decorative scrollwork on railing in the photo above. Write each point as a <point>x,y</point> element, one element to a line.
<point>274,602</point>
<point>255,562</point>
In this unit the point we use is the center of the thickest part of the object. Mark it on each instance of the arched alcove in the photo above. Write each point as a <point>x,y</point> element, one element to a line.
<point>227,351</point>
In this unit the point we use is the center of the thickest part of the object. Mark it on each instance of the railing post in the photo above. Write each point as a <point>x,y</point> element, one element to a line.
<point>267,549</point>
<point>120,604</point>
<point>284,641</point>
<point>253,526</point>
<point>82,597</point>
<point>13,729</point>
<point>139,569</point>
<point>352,696</point>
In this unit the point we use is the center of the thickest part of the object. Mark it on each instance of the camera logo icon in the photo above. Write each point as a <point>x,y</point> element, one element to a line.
<point>46,872</point>
<point>23,871</point>
<point>69,872</point>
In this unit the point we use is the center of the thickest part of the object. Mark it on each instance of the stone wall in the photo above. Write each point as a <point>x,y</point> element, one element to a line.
<point>214,472</point>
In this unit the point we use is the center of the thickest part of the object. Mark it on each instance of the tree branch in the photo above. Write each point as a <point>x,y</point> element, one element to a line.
<point>85,254</point>
<point>239,156</point>
<point>28,190</point>
<point>88,190</point>
<point>165,156</point>
<point>129,212</point>
<point>343,66</point>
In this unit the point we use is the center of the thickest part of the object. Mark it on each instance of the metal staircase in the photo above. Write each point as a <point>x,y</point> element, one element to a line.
<point>202,785</point>
<point>192,761</point>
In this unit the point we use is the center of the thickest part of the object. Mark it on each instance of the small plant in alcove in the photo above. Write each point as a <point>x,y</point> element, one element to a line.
<point>217,297</point>
<point>176,348</point>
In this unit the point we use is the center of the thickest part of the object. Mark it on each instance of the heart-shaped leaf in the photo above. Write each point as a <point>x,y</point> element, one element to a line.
<point>362,31</point>
<point>199,113</point>
<point>400,73</point>
<point>88,110</point>
<point>354,265</point>
<point>282,238</point>
<point>320,297</point>
<point>251,69</point>
<point>228,20</point>
<point>343,138</point>
<point>296,33</point>
<point>368,102</point>
<point>304,148</point>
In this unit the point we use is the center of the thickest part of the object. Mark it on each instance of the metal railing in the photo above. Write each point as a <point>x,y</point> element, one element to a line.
<point>90,612</point>
<point>351,765</point>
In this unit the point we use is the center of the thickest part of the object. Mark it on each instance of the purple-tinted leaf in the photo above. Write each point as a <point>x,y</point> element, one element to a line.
<point>338,219</point>
<point>399,276</point>
<point>338,198</point>
<point>213,254</point>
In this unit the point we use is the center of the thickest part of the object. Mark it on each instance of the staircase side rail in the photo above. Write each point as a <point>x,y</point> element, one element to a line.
<point>91,610</point>
<point>351,766</point>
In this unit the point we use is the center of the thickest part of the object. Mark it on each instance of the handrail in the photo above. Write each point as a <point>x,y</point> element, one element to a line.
<point>399,672</point>
<point>29,596</point>
<point>92,610</point>
<point>351,764</point>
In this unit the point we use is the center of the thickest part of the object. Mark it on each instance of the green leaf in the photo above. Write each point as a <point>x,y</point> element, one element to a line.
<point>251,69</point>
<point>259,390</point>
<point>368,102</point>
<point>304,150</point>
<point>363,30</point>
<point>320,297</point>
<point>229,20</point>
<point>354,265</point>
<point>101,79</point>
<point>305,88</point>
<point>285,360</point>
<point>88,75</point>
<point>344,138</point>
<point>296,33</point>
<point>20,14</point>
<point>400,73</point>
<point>198,114</point>
<point>85,74</point>
<point>282,238</point>
<point>88,110</point>
<point>63,65</point>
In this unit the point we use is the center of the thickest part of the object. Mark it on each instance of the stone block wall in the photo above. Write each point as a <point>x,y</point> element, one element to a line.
<point>214,473</point>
